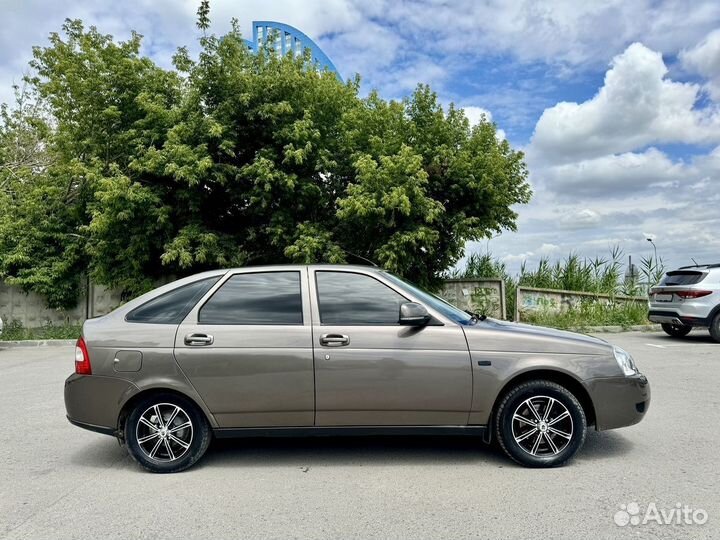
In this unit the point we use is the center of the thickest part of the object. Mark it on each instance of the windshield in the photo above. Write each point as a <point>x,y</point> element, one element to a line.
<point>435,302</point>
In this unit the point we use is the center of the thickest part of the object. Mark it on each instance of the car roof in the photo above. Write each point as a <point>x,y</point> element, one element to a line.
<point>318,266</point>
<point>708,266</point>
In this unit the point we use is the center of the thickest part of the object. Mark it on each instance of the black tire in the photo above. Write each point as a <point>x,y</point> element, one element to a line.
<point>676,330</point>
<point>170,455</point>
<point>553,449</point>
<point>715,328</point>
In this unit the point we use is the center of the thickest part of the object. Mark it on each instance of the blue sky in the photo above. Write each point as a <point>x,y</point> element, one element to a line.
<point>616,103</point>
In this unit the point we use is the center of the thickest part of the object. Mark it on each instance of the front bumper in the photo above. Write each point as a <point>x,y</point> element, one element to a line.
<point>94,402</point>
<point>619,401</point>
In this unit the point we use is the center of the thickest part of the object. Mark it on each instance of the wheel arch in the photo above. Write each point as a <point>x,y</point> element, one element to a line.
<point>573,385</point>
<point>146,392</point>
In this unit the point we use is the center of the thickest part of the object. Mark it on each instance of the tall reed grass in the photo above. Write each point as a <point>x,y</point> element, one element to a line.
<point>600,275</point>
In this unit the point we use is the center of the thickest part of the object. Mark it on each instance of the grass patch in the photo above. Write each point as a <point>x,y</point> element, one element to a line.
<point>589,313</point>
<point>15,331</point>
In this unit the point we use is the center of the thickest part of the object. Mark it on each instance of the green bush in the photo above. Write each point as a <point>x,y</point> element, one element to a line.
<point>15,331</point>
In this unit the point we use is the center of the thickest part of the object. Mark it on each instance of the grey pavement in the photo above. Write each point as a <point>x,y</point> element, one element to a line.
<point>58,481</point>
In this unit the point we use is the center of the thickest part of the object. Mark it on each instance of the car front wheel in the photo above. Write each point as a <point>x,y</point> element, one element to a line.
<point>676,330</point>
<point>540,424</point>
<point>166,433</point>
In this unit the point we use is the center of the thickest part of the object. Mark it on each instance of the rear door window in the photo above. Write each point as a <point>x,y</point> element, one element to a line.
<point>257,298</point>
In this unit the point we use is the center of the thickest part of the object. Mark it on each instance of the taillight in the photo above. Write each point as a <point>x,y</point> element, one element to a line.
<point>692,294</point>
<point>82,358</point>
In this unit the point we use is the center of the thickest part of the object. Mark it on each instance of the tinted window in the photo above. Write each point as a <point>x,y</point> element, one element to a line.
<point>678,277</point>
<point>356,299</point>
<point>172,307</point>
<point>261,298</point>
<point>444,307</point>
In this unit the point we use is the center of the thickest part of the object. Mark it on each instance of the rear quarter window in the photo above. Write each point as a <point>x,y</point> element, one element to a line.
<point>173,306</point>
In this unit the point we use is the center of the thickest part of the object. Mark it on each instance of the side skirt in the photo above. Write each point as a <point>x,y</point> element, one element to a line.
<point>349,431</point>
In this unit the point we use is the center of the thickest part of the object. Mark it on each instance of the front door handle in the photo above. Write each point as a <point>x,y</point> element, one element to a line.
<point>334,340</point>
<point>198,339</point>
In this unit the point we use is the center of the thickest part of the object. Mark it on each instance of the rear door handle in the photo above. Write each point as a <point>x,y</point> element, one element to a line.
<point>334,340</point>
<point>198,339</point>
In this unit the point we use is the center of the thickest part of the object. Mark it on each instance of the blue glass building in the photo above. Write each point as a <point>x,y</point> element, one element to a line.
<point>288,39</point>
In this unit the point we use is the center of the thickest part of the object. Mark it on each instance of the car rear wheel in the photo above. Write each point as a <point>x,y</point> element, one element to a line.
<point>166,433</point>
<point>676,330</point>
<point>540,424</point>
<point>715,328</point>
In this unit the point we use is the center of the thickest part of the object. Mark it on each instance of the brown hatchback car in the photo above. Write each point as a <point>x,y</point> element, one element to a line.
<point>337,350</point>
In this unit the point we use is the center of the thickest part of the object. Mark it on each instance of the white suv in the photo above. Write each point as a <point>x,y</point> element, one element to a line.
<point>688,297</point>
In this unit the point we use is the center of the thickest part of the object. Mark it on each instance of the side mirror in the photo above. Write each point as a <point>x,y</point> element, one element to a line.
<point>413,314</point>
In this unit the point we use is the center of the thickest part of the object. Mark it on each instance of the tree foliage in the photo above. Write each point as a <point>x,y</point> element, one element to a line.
<point>233,158</point>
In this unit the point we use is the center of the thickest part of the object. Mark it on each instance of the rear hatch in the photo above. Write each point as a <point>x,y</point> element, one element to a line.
<point>676,287</point>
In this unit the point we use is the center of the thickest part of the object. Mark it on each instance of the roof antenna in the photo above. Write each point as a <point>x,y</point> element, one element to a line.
<point>360,257</point>
<point>693,260</point>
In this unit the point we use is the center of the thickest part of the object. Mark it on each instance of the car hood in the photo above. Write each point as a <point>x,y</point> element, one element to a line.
<point>494,335</point>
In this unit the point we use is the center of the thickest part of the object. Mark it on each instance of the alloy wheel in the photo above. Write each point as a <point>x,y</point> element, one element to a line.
<point>164,432</point>
<point>542,426</point>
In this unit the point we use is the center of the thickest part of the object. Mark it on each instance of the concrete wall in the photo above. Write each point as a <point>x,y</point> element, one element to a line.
<point>32,312</point>
<point>531,299</point>
<point>484,296</point>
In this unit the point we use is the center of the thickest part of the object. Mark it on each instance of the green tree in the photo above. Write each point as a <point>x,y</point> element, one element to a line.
<point>237,158</point>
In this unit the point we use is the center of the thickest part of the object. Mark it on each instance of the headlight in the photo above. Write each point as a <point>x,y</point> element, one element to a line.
<point>625,361</point>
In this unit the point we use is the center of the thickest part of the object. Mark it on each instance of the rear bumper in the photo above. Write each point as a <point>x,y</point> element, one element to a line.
<point>91,427</point>
<point>619,401</point>
<point>673,317</point>
<point>94,402</point>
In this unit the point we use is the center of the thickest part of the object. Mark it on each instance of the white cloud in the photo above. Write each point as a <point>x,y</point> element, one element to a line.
<point>580,219</point>
<point>704,59</point>
<point>548,249</point>
<point>599,182</point>
<point>681,216</point>
<point>476,114</point>
<point>636,106</point>
<point>554,31</point>
<point>516,259</point>
<point>613,175</point>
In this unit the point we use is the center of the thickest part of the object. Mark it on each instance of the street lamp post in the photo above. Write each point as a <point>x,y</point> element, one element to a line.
<point>654,248</point>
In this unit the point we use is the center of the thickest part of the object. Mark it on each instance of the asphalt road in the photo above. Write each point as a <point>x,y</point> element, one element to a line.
<point>58,481</point>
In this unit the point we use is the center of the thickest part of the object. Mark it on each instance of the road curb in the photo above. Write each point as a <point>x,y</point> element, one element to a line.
<point>37,343</point>
<point>618,329</point>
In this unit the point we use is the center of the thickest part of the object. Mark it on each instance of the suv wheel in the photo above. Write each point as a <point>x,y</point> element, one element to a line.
<point>715,328</point>
<point>540,424</point>
<point>166,433</point>
<point>676,330</point>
